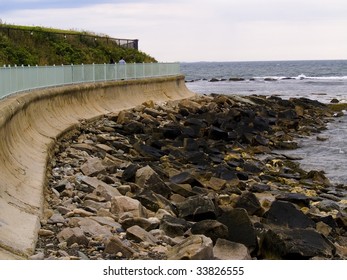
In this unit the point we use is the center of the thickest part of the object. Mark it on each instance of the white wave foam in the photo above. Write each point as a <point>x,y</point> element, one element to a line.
<point>302,77</point>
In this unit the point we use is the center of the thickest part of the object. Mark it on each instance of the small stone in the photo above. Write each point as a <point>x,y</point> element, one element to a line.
<point>45,232</point>
<point>37,257</point>
<point>82,212</point>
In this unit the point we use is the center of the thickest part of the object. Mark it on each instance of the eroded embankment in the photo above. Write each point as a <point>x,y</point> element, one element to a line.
<point>30,124</point>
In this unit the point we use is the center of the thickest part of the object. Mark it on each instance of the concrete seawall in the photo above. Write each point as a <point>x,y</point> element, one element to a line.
<point>31,123</point>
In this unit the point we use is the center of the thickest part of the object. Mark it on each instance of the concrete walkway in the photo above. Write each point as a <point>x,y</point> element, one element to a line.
<point>31,123</point>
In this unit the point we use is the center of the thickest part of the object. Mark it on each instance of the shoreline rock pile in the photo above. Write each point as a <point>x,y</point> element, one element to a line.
<point>193,179</point>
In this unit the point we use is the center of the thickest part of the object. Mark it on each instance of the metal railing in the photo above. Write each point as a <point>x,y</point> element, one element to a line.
<point>15,79</point>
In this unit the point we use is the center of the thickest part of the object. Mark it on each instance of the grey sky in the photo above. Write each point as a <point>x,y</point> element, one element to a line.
<point>201,30</point>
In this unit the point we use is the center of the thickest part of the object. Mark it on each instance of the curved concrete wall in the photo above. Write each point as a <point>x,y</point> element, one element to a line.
<point>30,124</point>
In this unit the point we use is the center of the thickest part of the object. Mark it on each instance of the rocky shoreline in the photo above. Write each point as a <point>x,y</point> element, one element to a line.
<point>193,179</point>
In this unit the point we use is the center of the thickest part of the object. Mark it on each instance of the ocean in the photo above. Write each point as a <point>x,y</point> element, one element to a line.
<point>318,80</point>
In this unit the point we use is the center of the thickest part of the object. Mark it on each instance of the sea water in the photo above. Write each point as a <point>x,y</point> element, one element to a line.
<point>318,80</point>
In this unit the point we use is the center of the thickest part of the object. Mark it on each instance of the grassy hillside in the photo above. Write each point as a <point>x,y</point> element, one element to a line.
<point>45,46</point>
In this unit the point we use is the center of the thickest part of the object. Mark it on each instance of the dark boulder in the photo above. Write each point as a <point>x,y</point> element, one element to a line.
<point>250,203</point>
<point>173,226</point>
<point>148,151</point>
<point>129,173</point>
<point>240,227</point>
<point>286,214</point>
<point>197,208</point>
<point>154,201</point>
<point>216,133</point>
<point>296,198</point>
<point>259,188</point>
<point>210,228</point>
<point>295,244</point>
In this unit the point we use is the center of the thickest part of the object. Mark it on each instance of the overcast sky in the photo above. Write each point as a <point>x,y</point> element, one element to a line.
<point>201,30</point>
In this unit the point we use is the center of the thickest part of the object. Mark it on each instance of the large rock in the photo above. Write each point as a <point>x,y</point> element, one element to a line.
<point>195,247</point>
<point>173,226</point>
<point>284,243</point>
<point>154,201</point>
<point>227,250</point>
<point>249,202</point>
<point>240,227</point>
<point>147,224</point>
<point>148,151</point>
<point>138,234</point>
<point>73,235</point>
<point>94,183</point>
<point>114,245</point>
<point>197,208</point>
<point>93,166</point>
<point>190,105</point>
<point>286,214</point>
<point>146,177</point>
<point>93,228</point>
<point>123,204</point>
<point>210,228</point>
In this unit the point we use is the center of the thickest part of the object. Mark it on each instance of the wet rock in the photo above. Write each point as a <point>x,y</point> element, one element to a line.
<point>286,214</point>
<point>227,250</point>
<point>195,247</point>
<point>197,208</point>
<point>295,244</point>
<point>240,227</point>
<point>236,79</point>
<point>210,228</point>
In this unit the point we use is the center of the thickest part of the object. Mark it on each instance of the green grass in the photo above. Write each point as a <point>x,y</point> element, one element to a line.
<point>27,45</point>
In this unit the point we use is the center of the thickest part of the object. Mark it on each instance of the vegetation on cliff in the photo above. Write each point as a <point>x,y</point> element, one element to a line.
<point>27,45</point>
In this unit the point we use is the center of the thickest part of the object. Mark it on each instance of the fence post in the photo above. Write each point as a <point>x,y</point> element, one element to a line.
<point>93,72</point>
<point>135,70</point>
